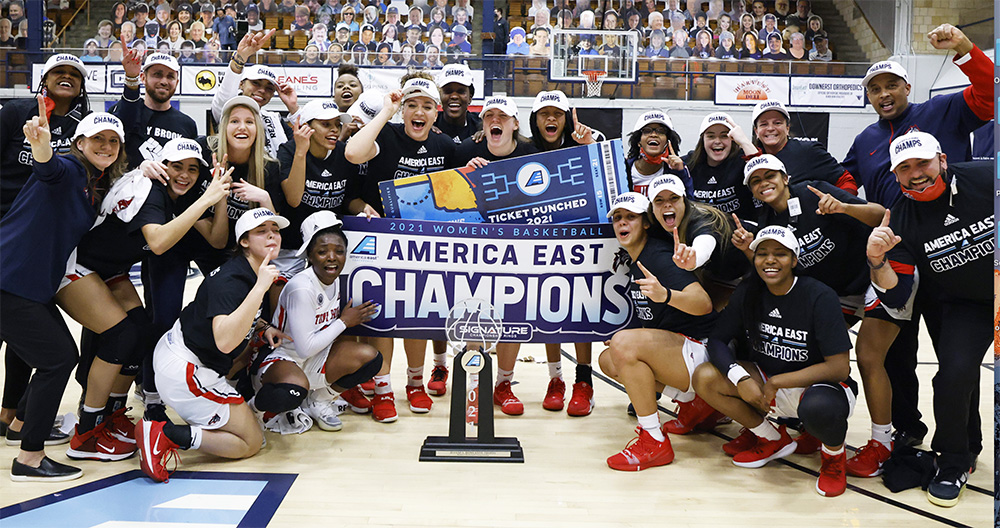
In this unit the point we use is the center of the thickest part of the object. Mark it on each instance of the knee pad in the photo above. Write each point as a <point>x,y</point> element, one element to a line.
<point>824,409</point>
<point>279,397</point>
<point>365,373</point>
<point>118,343</point>
<point>145,341</point>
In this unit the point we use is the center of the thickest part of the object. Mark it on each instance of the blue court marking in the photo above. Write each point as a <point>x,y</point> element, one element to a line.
<point>130,497</point>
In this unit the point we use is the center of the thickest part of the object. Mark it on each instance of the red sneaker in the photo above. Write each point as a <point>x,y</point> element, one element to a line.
<point>155,450</point>
<point>554,395</point>
<point>504,397</point>
<point>642,452</point>
<point>120,425</point>
<point>98,444</point>
<point>420,402</point>
<point>384,408</point>
<point>808,444</point>
<point>832,479</point>
<point>368,387</point>
<point>766,451</point>
<point>690,415</point>
<point>746,440</point>
<point>356,400</point>
<point>581,403</point>
<point>438,384</point>
<point>867,461</point>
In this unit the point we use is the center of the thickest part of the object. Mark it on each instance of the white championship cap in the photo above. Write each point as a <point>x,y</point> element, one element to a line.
<point>653,116</point>
<point>96,122</point>
<point>259,71</point>
<point>455,73</point>
<point>888,66</point>
<point>781,234</point>
<point>717,118</point>
<point>765,106</point>
<point>322,109</point>
<point>666,182</point>
<point>313,224</point>
<point>420,87</point>
<point>179,149</point>
<point>764,161</point>
<point>631,201</point>
<point>504,104</point>
<point>554,98</point>
<point>61,59</point>
<point>241,100</point>
<point>256,217</point>
<point>368,105</point>
<point>914,145</point>
<point>161,58</point>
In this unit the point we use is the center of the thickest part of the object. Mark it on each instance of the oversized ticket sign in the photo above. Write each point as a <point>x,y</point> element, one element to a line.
<point>549,284</point>
<point>571,185</point>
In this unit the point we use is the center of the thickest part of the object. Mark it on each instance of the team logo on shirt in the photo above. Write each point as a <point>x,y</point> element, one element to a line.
<point>533,179</point>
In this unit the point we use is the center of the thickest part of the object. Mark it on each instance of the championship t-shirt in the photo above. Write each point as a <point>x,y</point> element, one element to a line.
<point>722,187</point>
<point>144,138</point>
<point>459,133</point>
<point>470,149</point>
<point>400,156</point>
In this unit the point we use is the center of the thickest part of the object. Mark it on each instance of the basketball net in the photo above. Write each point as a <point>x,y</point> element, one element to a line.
<point>594,79</point>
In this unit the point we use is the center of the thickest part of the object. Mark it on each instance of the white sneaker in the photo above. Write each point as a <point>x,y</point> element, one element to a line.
<point>295,421</point>
<point>324,413</point>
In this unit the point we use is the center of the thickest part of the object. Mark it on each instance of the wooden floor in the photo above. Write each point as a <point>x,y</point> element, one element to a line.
<point>368,473</point>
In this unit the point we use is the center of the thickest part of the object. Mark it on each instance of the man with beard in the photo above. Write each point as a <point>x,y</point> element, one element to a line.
<point>455,120</point>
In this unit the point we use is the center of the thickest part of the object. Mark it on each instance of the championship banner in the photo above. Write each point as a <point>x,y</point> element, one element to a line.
<point>94,81</point>
<point>739,89</point>
<point>845,92</point>
<point>571,185</point>
<point>549,284</point>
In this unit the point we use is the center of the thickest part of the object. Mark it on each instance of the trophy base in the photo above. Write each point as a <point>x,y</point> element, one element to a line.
<point>444,449</point>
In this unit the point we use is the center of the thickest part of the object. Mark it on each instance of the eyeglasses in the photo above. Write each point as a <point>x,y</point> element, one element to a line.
<point>659,131</point>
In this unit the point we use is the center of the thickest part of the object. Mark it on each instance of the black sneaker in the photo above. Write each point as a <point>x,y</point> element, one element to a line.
<point>906,438</point>
<point>156,412</point>
<point>56,437</point>
<point>946,487</point>
<point>3,429</point>
<point>48,471</point>
<point>631,410</point>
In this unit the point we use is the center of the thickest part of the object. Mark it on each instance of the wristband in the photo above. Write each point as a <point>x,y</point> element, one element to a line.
<point>669,295</point>
<point>880,264</point>
<point>737,374</point>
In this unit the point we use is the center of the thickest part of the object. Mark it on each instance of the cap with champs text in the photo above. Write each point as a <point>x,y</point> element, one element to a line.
<point>180,149</point>
<point>780,234</point>
<point>98,122</point>
<point>666,182</point>
<point>914,145</point>
<point>631,201</point>
<point>764,161</point>
<point>256,217</point>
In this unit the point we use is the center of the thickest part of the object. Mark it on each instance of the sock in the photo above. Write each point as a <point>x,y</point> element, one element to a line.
<point>584,373</point>
<point>833,453</point>
<point>766,431</point>
<point>441,359</point>
<point>415,376</point>
<point>195,436</point>
<point>651,424</point>
<point>89,418</point>
<point>182,435</point>
<point>382,385</point>
<point>115,401</point>
<point>325,394</point>
<point>504,375</point>
<point>555,369</point>
<point>151,398</point>
<point>882,434</point>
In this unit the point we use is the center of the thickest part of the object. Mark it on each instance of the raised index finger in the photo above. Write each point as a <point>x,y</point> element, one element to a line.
<point>42,120</point>
<point>677,241</point>
<point>816,191</point>
<point>644,270</point>
<point>885,219</point>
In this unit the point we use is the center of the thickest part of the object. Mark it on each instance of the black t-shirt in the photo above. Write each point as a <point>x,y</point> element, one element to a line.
<point>726,262</point>
<point>331,183</point>
<point>832,247</point>
<point>951,244</point>
<point>459,133</point>
<point>221,293</point>
<point>400,156</point>
<point>145,137</point>
<point>657,257</point>
<point>16,160</point>
<point>113,247</point>
<point>797,329</point>
<point>808,160</point>
<point>722,186</point>
<point>470,149</point>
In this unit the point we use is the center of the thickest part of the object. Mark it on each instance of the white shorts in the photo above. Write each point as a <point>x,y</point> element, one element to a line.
<point>76,271</point>
<point>853,305</point>
<point>314,368</point>
<point>695,353</point>
<point>199,394</point>
<point>288,264</point>
<point>786,401</point>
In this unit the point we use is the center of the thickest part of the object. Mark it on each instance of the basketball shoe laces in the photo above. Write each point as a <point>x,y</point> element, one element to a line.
<point>833,467</point>
<point>640,445</point>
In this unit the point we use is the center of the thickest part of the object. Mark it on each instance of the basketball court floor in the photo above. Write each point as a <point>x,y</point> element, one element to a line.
<point>368,475</point>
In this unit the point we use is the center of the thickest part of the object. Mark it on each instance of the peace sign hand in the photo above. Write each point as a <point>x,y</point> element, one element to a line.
<point>583,134</point>
<point>650,286</point>
<point>741,237</point>
<point>684,256</point>
<point>827,203</point>
<point>673,160</point>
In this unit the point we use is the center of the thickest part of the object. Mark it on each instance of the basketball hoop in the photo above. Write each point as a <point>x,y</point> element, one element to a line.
<point>594,80</point>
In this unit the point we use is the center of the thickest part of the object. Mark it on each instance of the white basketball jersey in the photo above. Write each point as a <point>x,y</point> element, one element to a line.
<point>309,312</point>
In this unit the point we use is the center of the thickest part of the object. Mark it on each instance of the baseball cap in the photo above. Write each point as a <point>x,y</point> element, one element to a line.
<point>631,201</point>
<point>241,100</point>
<point>259,71</point>
<point>778,233</point>
<point>253,7</point>
<point>207,7</point>
<point>765,106</point>
<point>161,58</point>
<point>457,73</point>
<point>343,25</point>
<point>184,7</point>
<point>666,182</point>
<point>319,109</point>
<point>368,105</point>
<point>313,224</point>
<point>504,104</point>
<point>96,122</point>
<point>888,66</point>
<point>164,7</point>
<point>413,26</point>
<point>367,27</point>
<point>716,118</point>
<point>554,98</point>
<point>653,116</point>
<point>179,149</point>
<point>420,87</point>
<point>764,161</point>
<point>256,217</point>
<point>392,10</point>
<point>517,31</point>
<point>459,29</point>
<point>141,8</point>
<point>914,145</point>
<point>61,59</point>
